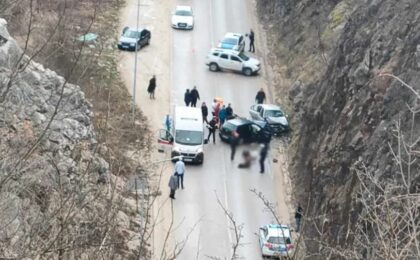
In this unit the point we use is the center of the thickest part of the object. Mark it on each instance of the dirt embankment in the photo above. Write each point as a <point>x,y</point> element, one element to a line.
<point>334,56</point>
<point>54,28</point>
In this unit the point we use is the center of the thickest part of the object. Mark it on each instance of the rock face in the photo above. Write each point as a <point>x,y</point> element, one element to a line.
<point>52,201</point>
<point>346,108</point>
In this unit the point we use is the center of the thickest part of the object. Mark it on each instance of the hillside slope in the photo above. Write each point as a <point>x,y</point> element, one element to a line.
<point>56,198</point>
<point>355,139</point>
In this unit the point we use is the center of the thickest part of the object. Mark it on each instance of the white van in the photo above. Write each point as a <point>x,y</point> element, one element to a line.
<point>187,135</point>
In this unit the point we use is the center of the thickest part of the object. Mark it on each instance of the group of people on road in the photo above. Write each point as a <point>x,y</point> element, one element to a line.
<point>191,97</point>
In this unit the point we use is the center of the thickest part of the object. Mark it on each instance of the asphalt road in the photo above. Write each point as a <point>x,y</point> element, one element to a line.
<point>196,207</point>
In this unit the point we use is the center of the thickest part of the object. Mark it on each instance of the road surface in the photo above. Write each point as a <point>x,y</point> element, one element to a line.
<point>218,176</point>
<point>197,213</point>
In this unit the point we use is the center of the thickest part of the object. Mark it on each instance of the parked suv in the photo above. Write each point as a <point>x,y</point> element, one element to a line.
<point>272,114</point>
<point>219,59</point>
<point>249,131</point>
<point>232,41</point>
<point>131,36</point>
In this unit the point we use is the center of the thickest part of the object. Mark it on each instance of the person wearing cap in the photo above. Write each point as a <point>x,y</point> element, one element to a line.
<point>179,171</point>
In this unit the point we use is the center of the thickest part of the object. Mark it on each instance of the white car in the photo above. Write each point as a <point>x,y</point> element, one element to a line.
<point>276,240</point>
<point>232,41</point>
<point>183,18</point>
<point>221,59</point>
<point>273,115</point>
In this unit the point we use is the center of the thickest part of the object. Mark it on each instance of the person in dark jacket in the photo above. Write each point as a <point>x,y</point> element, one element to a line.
<point>187,97</point>
<point>194,96</point>
<point>298,217</point>
<point>260,97</point>
<point>251,41</point>
<point>151,88</point>
<point>212,126</point>
<point>229,112</point>
<point>204,112</point>
<point>234,141</point>
<point>263,155</point>
<point>173,185</point>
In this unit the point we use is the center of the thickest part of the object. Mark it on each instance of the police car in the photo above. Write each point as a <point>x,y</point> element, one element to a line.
<point>276,240</point>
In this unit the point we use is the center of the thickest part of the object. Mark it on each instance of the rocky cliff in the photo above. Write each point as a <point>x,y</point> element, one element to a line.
<point>55,196</point>
<point>356,125</point>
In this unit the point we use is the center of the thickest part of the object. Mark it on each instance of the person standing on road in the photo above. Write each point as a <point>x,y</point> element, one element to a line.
<point>194,97</point>
<point>222,116</point>
<point>229,112</point>
<point>187,97</point>
<point>151,88</point>
<point>298,216</point>
<point>251,41</point>
<point>260,97</point>
<point>204,112</point>
<point>179,171</point>
<point>212,129</point>
<point>234,141</point>
<point>263,155</point>
<point>173,185</point>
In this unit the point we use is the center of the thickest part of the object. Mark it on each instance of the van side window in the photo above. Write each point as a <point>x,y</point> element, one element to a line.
<point>216,54</point>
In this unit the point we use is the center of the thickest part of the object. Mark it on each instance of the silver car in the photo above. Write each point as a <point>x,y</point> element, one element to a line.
<point>273,115</point>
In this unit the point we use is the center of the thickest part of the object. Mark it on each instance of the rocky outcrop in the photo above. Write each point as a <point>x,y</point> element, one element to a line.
<point>54,197</point>
<point>346,107</point>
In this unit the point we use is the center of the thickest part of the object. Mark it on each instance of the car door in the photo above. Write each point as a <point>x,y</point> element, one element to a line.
<point>224,61</point>
<point>143,38</point>
<point>241,43</point>
<point>165,140</point>
<point>253,111</point>
<point>261,114</point>
<point>235,63</point>
<point>255,132</point>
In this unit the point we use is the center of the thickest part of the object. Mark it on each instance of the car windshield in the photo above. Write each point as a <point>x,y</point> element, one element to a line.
<point>131,34</point>
<point>183,13</point>
<point>279,240</point>
<point>231,41</point>
<point>273,113</point>
<point>187,137</point>
<point>243,56</point>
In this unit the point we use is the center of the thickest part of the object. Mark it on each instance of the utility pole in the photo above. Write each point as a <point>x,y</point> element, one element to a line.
<point>135,64</point>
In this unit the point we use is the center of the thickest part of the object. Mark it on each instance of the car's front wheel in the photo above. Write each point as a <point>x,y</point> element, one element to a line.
<point>247,71</point>
<point>213,67</point>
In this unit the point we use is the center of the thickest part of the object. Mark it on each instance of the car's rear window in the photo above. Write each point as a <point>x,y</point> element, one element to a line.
<point>229,126</point>
<point>231,41</point>
<point>279,240</point>
<point>131,34</point>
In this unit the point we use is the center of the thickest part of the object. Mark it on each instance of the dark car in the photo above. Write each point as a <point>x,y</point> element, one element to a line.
<point>249,131</point>
<point>131,36</point>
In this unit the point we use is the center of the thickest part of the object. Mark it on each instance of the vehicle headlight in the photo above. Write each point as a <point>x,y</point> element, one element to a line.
<point>199,150</point>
